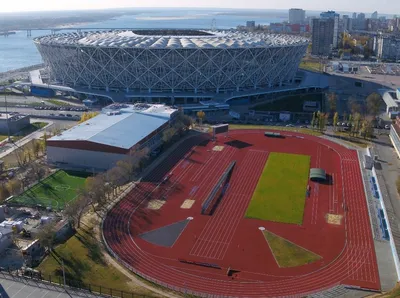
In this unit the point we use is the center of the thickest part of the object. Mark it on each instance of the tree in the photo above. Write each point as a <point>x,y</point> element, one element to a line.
<point>168,134</point>
<point>367,129</point>
<point>75,209</point>
<point>47,236</point>
<point>332,101</point>
<point>374,104</point>
<point>86,116</point>
<point>321,121</point>
<point>356,125</point>
<point>95,192</point>
<point>14,186</point>
<point>36,171</point>
<point>4,193</point>
<point>335,120</point>
<point>201,115</point>
<point>314,119</point>
<point>353,105</point>
<point>36,148</point>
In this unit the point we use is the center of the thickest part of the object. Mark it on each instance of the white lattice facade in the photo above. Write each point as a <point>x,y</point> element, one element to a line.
<point>129,61</point>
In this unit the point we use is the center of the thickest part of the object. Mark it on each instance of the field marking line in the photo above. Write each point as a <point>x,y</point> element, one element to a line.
<point>255,172</point>
<point>227,157</point>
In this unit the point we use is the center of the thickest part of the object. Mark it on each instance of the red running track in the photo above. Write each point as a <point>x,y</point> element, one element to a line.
<point>229,240</point>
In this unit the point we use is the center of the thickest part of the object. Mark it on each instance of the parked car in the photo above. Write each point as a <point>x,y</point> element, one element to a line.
<point>61,115</point>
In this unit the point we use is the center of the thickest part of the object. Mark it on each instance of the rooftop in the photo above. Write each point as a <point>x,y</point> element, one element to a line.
<point>161,39</point>
<point>119,125</point>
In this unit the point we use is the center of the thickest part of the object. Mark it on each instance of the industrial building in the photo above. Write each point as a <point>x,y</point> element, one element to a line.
<point>171,64</point>
<point>12,123</point>
<point>97,144</point>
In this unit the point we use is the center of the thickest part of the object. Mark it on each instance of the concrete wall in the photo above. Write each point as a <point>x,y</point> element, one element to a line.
<point>2,215</point>
<point>76,159</point>
<point>15,125</point>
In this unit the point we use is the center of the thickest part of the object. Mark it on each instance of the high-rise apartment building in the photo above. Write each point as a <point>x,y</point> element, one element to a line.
<point>335,17</point>
<point>354,15</point>
<point>387,47</point>
<point>374,15</point>
<point>347,23</point>
<point>322,36</point>
<point>297,16</point>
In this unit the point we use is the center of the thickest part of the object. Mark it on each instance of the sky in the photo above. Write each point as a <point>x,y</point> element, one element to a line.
<point>367,6</point>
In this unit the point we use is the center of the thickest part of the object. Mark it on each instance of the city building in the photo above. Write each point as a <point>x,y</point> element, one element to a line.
<point>387,47</point>
<point>395,135</point>
<point>97,144</point>
<point>374,15</point>
<point>167,65</point>
<point>251,25</point>
<point>322,36</point>
<point>16,122</point>
<point>335,17</point>
<point>347,23</point>
<point>297,16</point>
<point>360,22</point>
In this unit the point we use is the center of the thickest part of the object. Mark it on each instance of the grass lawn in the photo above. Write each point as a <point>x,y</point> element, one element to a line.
<point>55,191</point>
<point>288,254</point>
<point>85,264</point>
<point>57,102</point>
<point>281,190</point>
<point>355,141</point>
<point>2,138</point>
<point>282,128</point>
<point>292,103</point>
<point>310,65</point>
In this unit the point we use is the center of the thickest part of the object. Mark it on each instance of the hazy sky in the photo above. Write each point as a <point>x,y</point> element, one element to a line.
<point>368,6</point>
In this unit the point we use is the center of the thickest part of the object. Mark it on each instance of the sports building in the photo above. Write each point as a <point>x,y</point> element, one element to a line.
<point>97,144</point>
<point>173,63</point>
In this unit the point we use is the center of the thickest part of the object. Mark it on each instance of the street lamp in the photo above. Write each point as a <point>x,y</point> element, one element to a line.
<point>8,124</point>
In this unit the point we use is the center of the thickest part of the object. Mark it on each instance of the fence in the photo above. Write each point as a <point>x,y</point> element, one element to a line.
<point>56,283</point>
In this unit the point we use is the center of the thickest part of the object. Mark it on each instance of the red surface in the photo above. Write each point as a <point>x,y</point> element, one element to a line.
<point>229,240</point>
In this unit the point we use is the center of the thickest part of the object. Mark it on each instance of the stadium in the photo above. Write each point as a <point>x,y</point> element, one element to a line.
<point>169,63</point>
<point>249,213</point>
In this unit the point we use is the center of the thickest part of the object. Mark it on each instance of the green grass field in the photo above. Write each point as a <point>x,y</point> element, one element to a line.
<point>55,191</point>
<point>281,190</point>
<point>282,128</point>
<point>288,254</point>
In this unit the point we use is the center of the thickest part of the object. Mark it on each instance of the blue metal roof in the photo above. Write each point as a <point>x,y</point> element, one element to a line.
<point>122,130</point>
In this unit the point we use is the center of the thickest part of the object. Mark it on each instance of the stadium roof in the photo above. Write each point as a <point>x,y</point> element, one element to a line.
<point>167,40</point>
<point>317,174</point>
<point>121,126</point>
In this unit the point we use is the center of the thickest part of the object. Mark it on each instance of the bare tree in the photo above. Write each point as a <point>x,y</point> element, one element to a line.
<point>47,236</point>
<point>353,105</point>
<point>36,148</point>
<point>4,193</point>
<point>75,209</point>
<point>168,134</point>
<point>37,171</point>
<point>335,120</point>
<point>374,101</point>
<point>94,188</point>
<point>14,187</point>
<point>332,101</point>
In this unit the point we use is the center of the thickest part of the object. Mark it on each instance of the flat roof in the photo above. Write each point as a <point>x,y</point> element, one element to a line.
<point>121,126</point>
<point>388,98</point>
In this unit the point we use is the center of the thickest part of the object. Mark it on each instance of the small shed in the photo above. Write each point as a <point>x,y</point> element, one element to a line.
<point>317,174</point>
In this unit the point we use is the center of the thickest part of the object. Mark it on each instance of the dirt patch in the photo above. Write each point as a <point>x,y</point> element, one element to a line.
<point>155,204</point>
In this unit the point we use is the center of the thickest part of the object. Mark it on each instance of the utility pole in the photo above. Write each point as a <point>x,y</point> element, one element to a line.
<point>63,270</point>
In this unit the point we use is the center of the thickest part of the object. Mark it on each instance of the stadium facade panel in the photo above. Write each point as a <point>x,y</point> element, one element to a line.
<point>172,60</point>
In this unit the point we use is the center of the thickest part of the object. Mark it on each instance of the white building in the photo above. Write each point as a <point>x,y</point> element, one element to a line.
<point>387,47</point>
<point>99,143</point>
<point>297,16</point>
